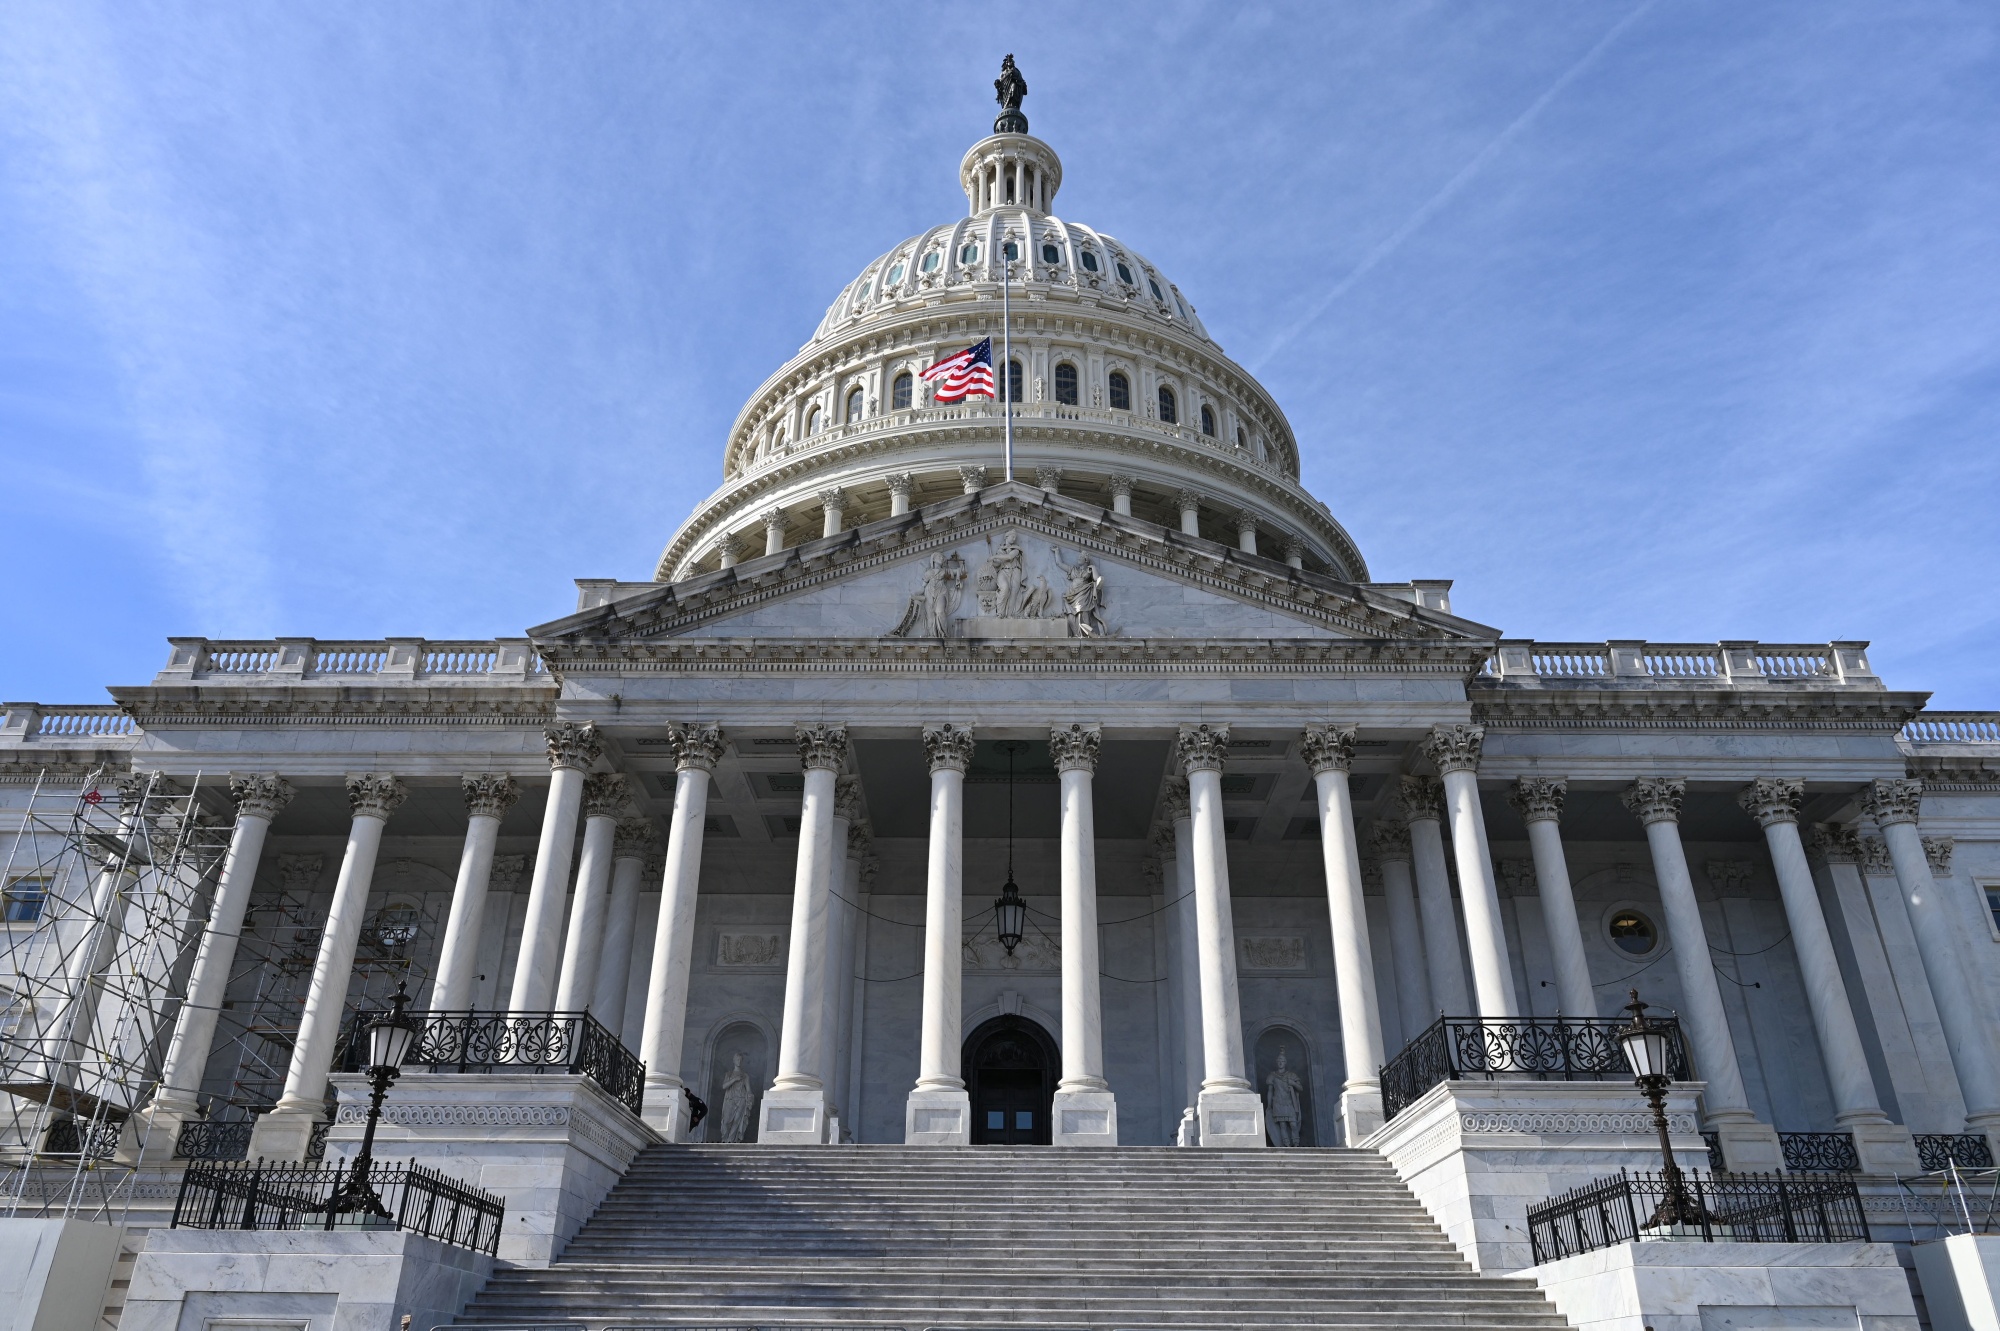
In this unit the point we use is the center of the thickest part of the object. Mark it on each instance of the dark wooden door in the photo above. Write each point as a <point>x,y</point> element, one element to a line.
<point>1010,1072</point>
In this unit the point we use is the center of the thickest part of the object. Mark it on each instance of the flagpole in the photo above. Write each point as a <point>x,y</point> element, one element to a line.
<point>1007,353</point>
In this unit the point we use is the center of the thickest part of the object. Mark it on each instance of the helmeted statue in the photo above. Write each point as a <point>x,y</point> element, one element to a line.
<point>1008,90</point>
<point>1284,1096</point>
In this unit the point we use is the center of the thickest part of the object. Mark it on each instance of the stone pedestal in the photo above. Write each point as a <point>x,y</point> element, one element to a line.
<point>1712,1286</point>
<point>1084,1118</point>
<point>665,1110</point>
<point>1961,1280</point>
<point>792,1118</point>
<point>285,1134</point>
<point>1231,1118</point>
<point>938,1118</point>
<point>551,1144</point>
<point>1885,1148</point>
<point>1478,1154</point>
<point>1750,1147</point>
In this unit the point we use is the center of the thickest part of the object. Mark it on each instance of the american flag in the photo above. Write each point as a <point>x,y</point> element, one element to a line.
<point>967,374</point>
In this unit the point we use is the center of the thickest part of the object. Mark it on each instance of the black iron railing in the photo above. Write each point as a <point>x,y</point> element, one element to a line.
<point>86,1138</point>
<point>1559,1049</point>
<point>1820,1152</point>
<point>1942,1150</point>
<point>209,1139</point>
<point>1713,1141</point>
<point>574,1042</point>
<point>262,1195</point>
<point>1728,1208</point>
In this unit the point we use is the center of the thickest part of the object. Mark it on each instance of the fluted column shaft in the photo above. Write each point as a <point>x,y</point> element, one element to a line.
<point>1329,750</point>
<point>1406,939</point>
<point>1188,943</point>
<point>603,800</point>
<point>487,799</point>
<point>1455,750</point>
<point>572,749</point>
<point>631,841</point>
<point>1540,802</point>
<point>1231,1114</point>
<point>697,749</point>
<point>798,1038</point>
<point>1422,806</point>
<point>1075,753</point>
<point>950,749</point>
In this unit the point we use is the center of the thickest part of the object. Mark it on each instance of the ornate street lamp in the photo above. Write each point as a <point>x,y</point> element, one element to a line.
<point>389,1039</point>
<point>1649,1048</point>
<point>1010,913</point>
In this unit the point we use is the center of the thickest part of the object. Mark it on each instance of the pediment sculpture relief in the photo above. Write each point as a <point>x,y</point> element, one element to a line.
<point>1013,600</point>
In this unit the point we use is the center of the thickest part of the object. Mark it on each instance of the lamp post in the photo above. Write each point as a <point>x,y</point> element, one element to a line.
<point>389,1039</point>
<point>1648,1047</point>
<point>1010,913</point>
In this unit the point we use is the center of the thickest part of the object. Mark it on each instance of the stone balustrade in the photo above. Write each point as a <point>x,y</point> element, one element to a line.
<point>492,660</point>
<point>42,722</point>
<point>1631,663</point>
<point>1956,728</point>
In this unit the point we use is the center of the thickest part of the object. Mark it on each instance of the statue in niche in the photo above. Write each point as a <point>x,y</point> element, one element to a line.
<point>738,1098</point>
<point>1284,1100</point>
<point>1083,598</point>
<point>934,602</point>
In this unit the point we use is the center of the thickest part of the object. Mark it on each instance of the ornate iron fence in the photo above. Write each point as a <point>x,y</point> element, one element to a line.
<point>85,1138</point>
<point>1820,1152</point>
<point>1730,1208</point>
<point>1713,1141</point>
<point>1942,1150</point>
<point>1561,1049</point>
<point>209,1139</point>
<point>261,1195</point>
<point>472,1041</point>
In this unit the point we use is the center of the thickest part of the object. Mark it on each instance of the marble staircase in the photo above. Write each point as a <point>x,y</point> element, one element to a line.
<point>1008,1237</point>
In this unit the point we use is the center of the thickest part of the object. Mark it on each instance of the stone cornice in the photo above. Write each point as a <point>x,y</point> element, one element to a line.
<point>158,706</point>
<point>61,767</point>
<point>1654,708</point>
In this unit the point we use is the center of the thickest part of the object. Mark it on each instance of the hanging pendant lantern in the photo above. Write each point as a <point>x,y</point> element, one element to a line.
<point>1010,913</point>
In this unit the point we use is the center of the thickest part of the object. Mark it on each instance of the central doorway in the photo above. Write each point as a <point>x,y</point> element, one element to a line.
<point>1010,1072</point>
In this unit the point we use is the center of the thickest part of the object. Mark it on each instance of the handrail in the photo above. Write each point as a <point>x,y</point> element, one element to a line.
<point>275,1195</point>
<point>472,1041</point>
<point>1714,1208</point>
<point>1557,1049</point>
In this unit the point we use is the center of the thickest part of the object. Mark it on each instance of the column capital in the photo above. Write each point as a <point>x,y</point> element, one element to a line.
<point>948,747</point>
<point>1075,747</point>
<point>1328,748</point>
<point>1244,520</point>
<point>822,747</point>
<point>729,547</point>
<point>902,484</point>
<point>572,745</point>
<point>847,799</point>
<point>1937,849</point>
<point>1174,796</point>
<point>697,747</point>
<point>1187,501</point>
<point>1538,799</point>
<point>1161,840</point>
<point>1833,843</point>
<point>833,499</point>
<point>632,839</point>
<point>1889,802</point>
<point>858,838</point>
<point>1454,748</point>
<point>132,788</point>
<point>772,517</point>
<point>1876,862</point>
<point>605,795</point>
<point>1420,798</point>
<point>1389,840</point>
<point>1291,547</point>
<point>1049,478</point>
<point>489,794</point>
<point>1655,799</point>
<point>972,478</point>
<point>1202,748</point>
<point>375,794</point>
<point>1772,799</point>
<point>260,795</point>
<point>1121,486</point>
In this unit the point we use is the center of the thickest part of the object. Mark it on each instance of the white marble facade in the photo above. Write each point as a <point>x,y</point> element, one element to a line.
<point>1307,810</point>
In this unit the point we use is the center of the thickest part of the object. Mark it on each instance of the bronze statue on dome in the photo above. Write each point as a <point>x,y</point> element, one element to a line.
<point>1008,90</point>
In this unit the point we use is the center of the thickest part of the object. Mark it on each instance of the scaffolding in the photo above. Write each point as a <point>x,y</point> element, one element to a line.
<point>106,893</point>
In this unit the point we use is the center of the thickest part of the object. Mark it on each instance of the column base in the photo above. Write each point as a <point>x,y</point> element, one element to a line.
<point>1360,1113</point>
<point>285,1133</point>
<point>664,1108</point>
<point>1231,1118</point>
<point>1749,1147</point>
<point>154,1132</point>
<point>1884,1147</point>
<point>937,1118</point>
<point>1084,1118</point>
<point>792,1118</point>
<point>1987,1126</point>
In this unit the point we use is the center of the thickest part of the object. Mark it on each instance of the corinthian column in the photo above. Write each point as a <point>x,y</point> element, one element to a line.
<point>572,749</point>
<point>1894,805</point>
<point>794,1110</point>
<point>1421,801</point>
<point>487,799</point>
<point>1390,841</point>
<point>1329,751</point>
<point>939,1112</point>
<point>697,749</point>
<point>1747,1145</point>
<point>258,799</point>
<point>1884,1147</point>
<point>1085,1114</point>
<point>1231,1113</point>
<point>631,842</point>
<point>284,1133</point>
<point>1540,804</point>
<point>604,800</point>
<point>1455,750</point>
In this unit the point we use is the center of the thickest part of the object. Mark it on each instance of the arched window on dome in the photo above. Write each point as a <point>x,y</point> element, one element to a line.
<point>1170,412</point>
<point>1208,420</point>
<point>1121,392</point>
<point>1089,258</point>
<point>895,274</point>
<point>1013,381</point>
<point>931,262</point>
<point>969,254</point>
<point>1051,254</point>
<point>899,396</point>
<point>1066,384</point>
<point>1125,275</point>
<point>1010,251</point>
<point>855,401</point>
<point>812,421</point>
<point>1242,439</point>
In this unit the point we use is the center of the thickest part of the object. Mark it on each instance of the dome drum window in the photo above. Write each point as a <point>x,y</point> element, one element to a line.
<point>1051,254</point>
<point>855,400</point>
<point>1169,407</point>
<point>1010,251</point>
<point>1208,420</point>
<point>1012,387</point>
<point>900,395</point>
<point>1125,274</point>
<point>1158,294</point>
<point>1121,392</point>
<point>969,254</point>
<point>895,275</point>
<point>1066,384</point>
<point>812,421</point>
<point>1089,261</point>
<point>931,262</point>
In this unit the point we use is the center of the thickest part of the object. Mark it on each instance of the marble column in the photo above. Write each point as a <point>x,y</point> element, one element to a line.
<point>840,968</point>
<point>728,551</point>
<point>939,1112</point>
<point>604,801</point>
<point>1894,805</point>
<point>284,1133</point>
<point>1189,503</point>
<point>1230,1111</point>
<point>972,479</point>
<point>1180,821</point>
<point>258,799</point>
<point>901,486</point>
<point>697,749</point>
<point>1084,1113</point>
<point>572,749</point>
<point>72,1029</point>
<point>1329,751</point>
<point>1747,1145</point>
<point>1390,841</point>
<point>1884,1147</point>
<point>821,967</point>
<point>774,531</point>
<point>1121,495</point>
<point>487,799</point>
<point>1246,531</point>
<point>1421,802</point>
<point>1455,750</point>
<point>1539,801</point>
<point>631,842</point>
<point>794,1110</point>
<point>833,509</point>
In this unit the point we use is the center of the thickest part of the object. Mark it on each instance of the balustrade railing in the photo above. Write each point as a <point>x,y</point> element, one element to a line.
<point>472,1041</point>
<point>264,1195</point>
<point>1726,1208</point>
<point>83,722</point>
<point>1953,728</point>
<point>1467,1048</point>
<point>1728,664</point>
<point>210,1139</point>
<point>1581,663</point>
<point>1779,664</point>
<point>1942,1150</point>
<point>1820,1152</point>
<point>309,658</point>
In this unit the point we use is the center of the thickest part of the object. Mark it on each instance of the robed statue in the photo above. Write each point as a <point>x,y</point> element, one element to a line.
<point>738,1099</point>
<point>1008,90</point>
<point>1284,1103</point>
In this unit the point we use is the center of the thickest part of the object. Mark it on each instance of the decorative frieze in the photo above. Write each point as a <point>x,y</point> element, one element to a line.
<point>1517,879</point>
<point>1202,748</point>
<point>605,795</point>
<point>573,746</point>
<point>632,839</point>
<point>1328,748</point>
<point>1454,748</point>
<point>1731,878</point>
<point>260,796</point>
<point>1772,799</point>
<point>1538,798</point>
<point>375,794</point>
<point>1389,839</point>
<point>300,872</point>
<point>697,747</point>
<point>1420,799</point>
<point>1655,799</point>
<point>1890,802</point>
<point>847,799</point>
<point>1284,953</point>
<point>1074,747</point>
<point>1937,849</point>
<point>737,949</point>
<point>823,747</point>
<point>489,794</point>
<point>948,747</point>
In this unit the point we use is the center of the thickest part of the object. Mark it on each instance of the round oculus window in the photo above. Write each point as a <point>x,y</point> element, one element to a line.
<point>1632,932</point>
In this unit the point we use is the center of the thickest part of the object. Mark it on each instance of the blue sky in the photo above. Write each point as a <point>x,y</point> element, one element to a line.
<point>1676,320</point>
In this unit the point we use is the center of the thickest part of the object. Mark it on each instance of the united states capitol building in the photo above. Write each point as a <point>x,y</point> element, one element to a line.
<point>975,795</point>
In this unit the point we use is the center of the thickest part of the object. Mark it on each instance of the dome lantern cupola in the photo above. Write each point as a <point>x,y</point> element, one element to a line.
<point>1010,168</point>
